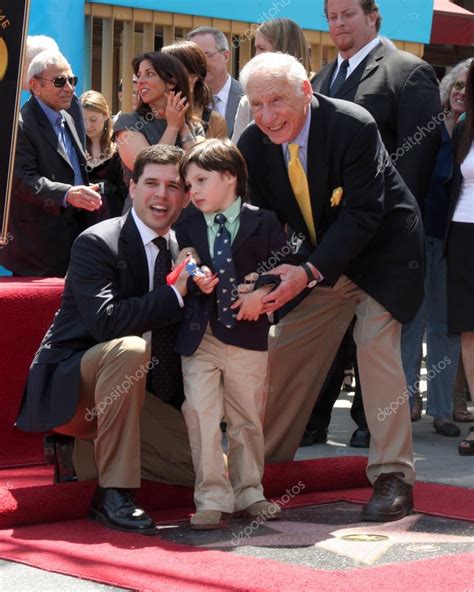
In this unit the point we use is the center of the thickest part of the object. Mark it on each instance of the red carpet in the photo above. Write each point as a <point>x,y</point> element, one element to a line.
<point>30,499</point>
<point>87,550</point>
<point>27,307</point>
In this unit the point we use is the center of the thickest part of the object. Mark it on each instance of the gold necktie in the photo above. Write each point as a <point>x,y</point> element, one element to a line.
<point>299,184</point>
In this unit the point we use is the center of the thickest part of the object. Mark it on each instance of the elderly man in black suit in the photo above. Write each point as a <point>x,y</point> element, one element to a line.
<point>51,198</point>
<point>320,164</point>
<point>89,375</point>
<point>401,92</point>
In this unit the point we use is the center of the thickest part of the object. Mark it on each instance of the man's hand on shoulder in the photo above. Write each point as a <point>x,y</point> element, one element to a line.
<point>293,281</point>
<point>84,198</point>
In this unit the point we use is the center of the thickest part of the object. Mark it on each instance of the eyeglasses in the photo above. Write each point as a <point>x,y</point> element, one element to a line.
<point>213,53</point>
<point>458,85</point>
<point>60,81</point>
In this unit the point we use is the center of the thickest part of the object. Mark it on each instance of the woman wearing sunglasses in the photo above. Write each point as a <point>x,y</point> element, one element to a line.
<point>460,243</point>
<point>163,115</point>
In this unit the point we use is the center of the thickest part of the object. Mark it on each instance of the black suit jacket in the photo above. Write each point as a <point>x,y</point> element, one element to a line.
<point>106,296</point>
<point>457,176</point>
<point>43,230</point>
<point>374,236</point>
<point>401,92</point>
<point>258,246</point>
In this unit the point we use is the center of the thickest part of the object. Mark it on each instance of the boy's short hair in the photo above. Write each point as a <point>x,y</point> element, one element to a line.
<point>157,154</point>
<point>218,155</point>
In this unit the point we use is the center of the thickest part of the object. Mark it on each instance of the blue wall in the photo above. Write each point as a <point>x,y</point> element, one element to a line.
<point>63,20</point>
<point>407,20</point>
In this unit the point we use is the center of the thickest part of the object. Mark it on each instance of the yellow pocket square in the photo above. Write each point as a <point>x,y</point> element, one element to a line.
<point>336,196</point>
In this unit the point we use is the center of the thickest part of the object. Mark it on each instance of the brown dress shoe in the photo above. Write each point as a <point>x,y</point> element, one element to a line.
<point>392,499</point>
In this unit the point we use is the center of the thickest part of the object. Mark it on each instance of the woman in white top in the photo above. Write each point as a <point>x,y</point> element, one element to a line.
<point>460,245</point>
<point>282,35</point>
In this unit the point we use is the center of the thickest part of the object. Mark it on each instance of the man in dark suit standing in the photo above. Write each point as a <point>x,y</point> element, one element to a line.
<point>89,375</point>
<point>401,92</point>
<point>320,165</point>
<point>227,91</point>
<point>50,197</point>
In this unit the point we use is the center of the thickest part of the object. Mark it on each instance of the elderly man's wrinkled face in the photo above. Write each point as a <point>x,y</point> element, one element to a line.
<point>278,108</point>
<point>55,97</point>
<point>350,28</point>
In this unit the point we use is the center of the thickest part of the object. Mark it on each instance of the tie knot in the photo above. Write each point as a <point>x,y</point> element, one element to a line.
<point>220,219</point>
<point>344,65</point>
<point>160,242</point>
<point>59,120</point>
<point>294,150</point>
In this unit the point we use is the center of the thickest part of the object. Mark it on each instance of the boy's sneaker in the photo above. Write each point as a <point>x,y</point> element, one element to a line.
<point>208,520</point>
<point>263,509</point>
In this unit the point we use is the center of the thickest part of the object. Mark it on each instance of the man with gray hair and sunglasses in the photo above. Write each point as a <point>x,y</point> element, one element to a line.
<point>51,200</point>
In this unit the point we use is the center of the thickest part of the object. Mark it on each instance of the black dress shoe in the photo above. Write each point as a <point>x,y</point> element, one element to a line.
<point>58,451</point>
<point>445,427</point>
<point>115,508</point>
<point>316,436</point>
<point>392,499</point>
<point>360,438</point>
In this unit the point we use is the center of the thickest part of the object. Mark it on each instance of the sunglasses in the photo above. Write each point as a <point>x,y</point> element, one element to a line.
<point>458,85</point>
<point>60,81</point>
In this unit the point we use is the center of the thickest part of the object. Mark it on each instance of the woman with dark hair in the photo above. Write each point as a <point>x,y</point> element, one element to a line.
<point>460,244</point>
<point>194,60</point>
<point>103,161</point>
<point>285,36</point>
<point>163,115</point>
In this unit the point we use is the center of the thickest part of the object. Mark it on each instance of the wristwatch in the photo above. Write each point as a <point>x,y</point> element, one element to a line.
<point>312,281</point>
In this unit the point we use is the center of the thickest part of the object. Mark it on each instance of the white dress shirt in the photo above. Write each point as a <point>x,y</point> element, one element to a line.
<point>151,251</point>
<point>222,97</point>
<point>357,58</point>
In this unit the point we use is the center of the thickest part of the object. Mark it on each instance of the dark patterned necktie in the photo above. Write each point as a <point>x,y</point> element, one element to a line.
<point>225,269</point>
<point>340,78</point>
<point>165,379</point>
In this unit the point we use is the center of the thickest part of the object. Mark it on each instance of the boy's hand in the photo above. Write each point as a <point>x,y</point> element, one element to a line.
<point>251,304</point>
<point>191,251</point>
<point>181,284</point>
<point>207,283</point>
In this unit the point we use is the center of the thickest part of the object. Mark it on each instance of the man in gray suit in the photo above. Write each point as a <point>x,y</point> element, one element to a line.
<point>227,91</point>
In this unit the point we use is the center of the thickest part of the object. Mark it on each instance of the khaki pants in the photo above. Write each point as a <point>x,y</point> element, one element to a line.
<point>225,381</point>
<point>123,433</point>
<point>302,348</point>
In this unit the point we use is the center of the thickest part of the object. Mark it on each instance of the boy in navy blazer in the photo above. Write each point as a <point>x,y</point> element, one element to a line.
<point>223,338</point>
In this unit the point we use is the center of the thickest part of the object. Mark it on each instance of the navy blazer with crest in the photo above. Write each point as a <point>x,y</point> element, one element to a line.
<point>43,230</point>
<point>375,235</point>
<point>260,244</point>
<point>401,93</point>
<point>106,296</point>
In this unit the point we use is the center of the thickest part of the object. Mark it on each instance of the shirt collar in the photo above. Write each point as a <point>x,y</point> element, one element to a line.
<point>146,233</point>
<point>51,114</point>
<point>231,213</point>
<point>223,94</point>
<point>302,138</point>
<point>357,58</point>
